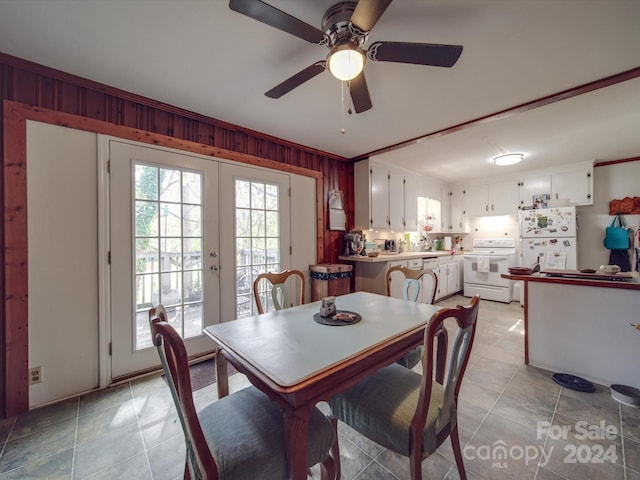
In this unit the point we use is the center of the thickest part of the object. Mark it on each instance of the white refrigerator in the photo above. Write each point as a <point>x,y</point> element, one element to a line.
<point>549,235</point>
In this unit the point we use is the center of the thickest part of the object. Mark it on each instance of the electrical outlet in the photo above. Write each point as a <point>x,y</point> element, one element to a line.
<point>35,375</point>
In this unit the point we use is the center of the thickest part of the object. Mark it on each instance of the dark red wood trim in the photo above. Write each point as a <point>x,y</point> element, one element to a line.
<point>615,162</point>
<point>68,78</point>
<point>509,112</point>
<point>16,354</point>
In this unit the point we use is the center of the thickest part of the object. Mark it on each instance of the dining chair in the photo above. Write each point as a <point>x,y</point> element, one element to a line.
<point>274,285</point>
<point>414,281</point>
<point>240,435</point>
<point>409,413</point>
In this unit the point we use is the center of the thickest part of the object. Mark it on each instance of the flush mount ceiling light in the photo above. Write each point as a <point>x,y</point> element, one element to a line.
<point>345,62</point>
<point>508,159</point>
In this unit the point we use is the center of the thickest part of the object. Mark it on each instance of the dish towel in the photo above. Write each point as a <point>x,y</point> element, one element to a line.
<point>484,264</point>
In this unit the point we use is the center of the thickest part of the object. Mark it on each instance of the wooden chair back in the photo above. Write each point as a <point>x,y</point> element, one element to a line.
<point>413,282</point>
<point>273,286</point>
<point>175,363</point>
<point>436,357</point>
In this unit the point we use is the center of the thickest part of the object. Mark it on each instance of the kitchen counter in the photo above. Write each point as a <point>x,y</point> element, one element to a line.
<point>385,257</point>
<point>370,272</point>
<point>581,326</point>
<point>632,284</point>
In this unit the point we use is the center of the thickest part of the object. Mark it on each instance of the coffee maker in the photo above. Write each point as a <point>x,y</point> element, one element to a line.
<point>351,242</point>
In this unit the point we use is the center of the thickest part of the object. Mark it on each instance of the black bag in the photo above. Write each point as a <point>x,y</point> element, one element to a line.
<point>617,236</point>
<point>620,258</point>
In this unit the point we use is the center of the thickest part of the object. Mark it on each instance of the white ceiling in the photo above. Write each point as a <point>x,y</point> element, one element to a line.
<point>201,56</point>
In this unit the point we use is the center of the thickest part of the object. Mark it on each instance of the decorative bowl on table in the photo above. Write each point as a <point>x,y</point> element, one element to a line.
<point>373,253</point>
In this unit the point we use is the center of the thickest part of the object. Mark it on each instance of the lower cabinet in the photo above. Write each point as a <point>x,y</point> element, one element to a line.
<point>448,273</point>
<point>396,279</point>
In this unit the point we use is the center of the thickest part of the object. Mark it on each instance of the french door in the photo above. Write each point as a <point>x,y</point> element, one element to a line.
<point>255,222</point>
<point>191,233</point>
<point>164,248</point>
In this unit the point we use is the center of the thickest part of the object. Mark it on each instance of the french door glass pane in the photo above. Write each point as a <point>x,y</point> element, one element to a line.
<point>168,245</point>
<point>257,239</point>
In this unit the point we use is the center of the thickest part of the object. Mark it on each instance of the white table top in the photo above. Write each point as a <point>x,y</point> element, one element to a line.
<point>289,346</point>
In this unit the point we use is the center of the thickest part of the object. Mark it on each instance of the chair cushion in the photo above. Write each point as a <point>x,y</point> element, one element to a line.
<point>412,357</point>
<point>382,406</point>
<point>245,432</point>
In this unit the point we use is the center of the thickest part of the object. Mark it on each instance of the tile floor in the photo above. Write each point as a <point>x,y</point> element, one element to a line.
<point>514,420</point>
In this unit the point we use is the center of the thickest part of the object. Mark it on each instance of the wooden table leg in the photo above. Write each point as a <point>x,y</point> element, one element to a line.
<point>222,376</point>
<point>296,426</point>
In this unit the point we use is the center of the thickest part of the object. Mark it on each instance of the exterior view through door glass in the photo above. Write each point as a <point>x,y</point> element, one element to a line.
<point>257,240</point>
<point>259,221</point>
<point>164,249</point>
<point>168,249</point>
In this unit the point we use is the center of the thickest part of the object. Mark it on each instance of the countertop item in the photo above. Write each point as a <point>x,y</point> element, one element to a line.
<point>387,257</point>
<point>628,280</point>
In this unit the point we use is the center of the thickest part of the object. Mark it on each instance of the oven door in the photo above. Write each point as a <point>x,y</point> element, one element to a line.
<point>498,264</point>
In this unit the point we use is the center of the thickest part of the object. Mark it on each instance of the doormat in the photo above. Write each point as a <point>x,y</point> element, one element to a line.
<point>203,373</point>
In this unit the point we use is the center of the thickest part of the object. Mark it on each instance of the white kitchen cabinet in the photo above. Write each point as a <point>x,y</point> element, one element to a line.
<point>528,187</point>
<point>475,200</point>
<point>385,197</point>
<point>410,220</point>
<point>457,219</point>
<point>448,273</point>
<point>445,210</point>
<point>504,198</point>
<point>396,279</point>
<point>500,198</point>
<point>576,185</point>
<point>379,205</point>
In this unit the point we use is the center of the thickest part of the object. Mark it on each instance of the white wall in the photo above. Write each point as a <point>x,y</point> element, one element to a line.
<point>63,263</point>
<point>303,226</point>
<point>611,182</point>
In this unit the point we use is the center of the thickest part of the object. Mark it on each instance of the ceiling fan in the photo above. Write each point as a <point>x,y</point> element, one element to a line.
<point>345,29</point>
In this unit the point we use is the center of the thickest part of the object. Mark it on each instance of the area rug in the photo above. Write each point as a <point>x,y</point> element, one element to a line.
<point>204,373</point>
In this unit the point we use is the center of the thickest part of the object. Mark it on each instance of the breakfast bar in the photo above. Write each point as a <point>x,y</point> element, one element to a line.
<point>582,325</point>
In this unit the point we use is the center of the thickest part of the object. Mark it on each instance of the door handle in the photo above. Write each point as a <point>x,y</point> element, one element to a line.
<point>214,268</point>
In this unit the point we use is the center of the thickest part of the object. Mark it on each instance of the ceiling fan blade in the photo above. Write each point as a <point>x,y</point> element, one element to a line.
<point>437,55</point>
<point>360,93</point>
<point>277,18</point>
<point>368,12</point>
<point>296,80</point>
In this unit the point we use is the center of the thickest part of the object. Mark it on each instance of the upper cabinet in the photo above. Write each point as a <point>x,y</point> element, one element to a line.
<point>533,186</point>
<point>504,198</point>
<point>576,185</point>
<point>572,182</point>
<point>457,223</point>
<point>385,196</point>
<point>500,198</point>
<point>445,208</point>
<point>474,200</point>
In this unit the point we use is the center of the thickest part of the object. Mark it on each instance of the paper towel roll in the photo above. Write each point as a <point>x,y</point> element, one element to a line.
<point>447,243</point>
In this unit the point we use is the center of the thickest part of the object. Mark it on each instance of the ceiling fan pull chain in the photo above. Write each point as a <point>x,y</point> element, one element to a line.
<point>342,130</point>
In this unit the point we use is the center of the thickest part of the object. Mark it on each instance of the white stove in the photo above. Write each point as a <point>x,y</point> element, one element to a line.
<point>484,266</point>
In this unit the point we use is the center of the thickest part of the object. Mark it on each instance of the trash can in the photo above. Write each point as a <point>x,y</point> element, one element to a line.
<point>330,279</point>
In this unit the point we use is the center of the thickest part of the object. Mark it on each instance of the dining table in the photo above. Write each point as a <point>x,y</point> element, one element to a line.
<point>298,360</point>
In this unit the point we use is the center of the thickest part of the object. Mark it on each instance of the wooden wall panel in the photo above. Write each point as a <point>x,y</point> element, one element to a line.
<point>38,86</point>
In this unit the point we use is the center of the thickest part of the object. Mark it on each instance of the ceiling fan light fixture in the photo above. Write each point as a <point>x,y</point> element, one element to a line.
<point>345,63</point>
<point>508,159</point>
